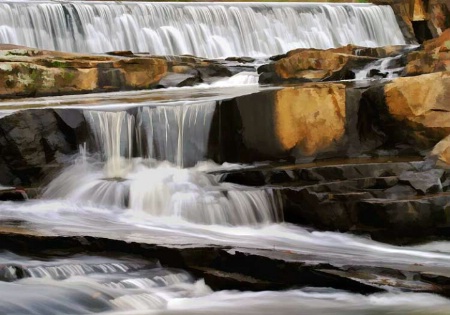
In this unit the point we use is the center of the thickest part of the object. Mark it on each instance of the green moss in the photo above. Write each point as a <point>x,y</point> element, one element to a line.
<point>447,44</point>
<point>68,76</point>
<point>57,64</point>
<point>20,52</point>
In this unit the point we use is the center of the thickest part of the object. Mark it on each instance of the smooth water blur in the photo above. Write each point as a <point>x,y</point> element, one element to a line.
<point>88,284</point>
<point>94,284</point>
<point>202,29</point>
<point>161,189</point>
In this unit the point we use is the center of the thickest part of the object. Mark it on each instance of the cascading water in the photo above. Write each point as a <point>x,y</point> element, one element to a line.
<point>159,188</point>
<point>84,285</point>
<point>89,284</point>
<point>202,29</point>
<point>175,133</point>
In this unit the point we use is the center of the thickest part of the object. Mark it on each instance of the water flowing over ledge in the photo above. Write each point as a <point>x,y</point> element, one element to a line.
<point>202,29</point>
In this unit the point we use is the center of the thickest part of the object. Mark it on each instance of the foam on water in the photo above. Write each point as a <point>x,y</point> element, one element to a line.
<point>161,189</point>
<point>85,284</point>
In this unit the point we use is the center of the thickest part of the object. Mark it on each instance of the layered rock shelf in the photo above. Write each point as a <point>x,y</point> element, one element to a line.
<point>332,171</point>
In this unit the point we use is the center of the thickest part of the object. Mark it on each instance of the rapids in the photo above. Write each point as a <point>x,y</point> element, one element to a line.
<point>94,284</point>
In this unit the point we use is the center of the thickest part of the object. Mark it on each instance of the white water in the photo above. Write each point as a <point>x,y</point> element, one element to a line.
<point>202,29</point>
<point>159,189</point>
<point>387,67</point>
<point>87,284</point>
<point>174,133</point>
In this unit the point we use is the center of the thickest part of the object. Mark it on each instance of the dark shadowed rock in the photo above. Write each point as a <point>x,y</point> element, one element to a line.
<point>33,139</point>
<point>424,182</point>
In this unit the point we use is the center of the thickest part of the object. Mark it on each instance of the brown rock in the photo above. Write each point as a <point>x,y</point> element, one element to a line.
<point>29,72</point>
<point>141,73</point>
<point>422,99</point>
<point>314,65</point>
<point>442,42</point>
<point>439,16</point>
<point>310,119</point>
<point>410,111</point>
<point>423,62</point>
<point>442,152</point>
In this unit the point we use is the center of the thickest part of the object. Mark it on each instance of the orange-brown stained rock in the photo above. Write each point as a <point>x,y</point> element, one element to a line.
<point>442,151</point>
<point>18,78</point>
<point>413,97</point>
<point>313,64</point>
<point>28,72</point>
<point>310,119</point>
<point>423,103</point>
<point>142,72</point>
<point>423,62</point>
<point>440,43</point>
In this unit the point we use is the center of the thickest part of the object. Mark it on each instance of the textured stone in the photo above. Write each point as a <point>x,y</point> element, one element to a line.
<point>310,119</point>
<point>312,65</point>
<point>30,72</point>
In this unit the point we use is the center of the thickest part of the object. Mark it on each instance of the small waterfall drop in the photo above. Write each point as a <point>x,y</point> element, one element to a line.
<point>129,176</point>
<point>202,29</point>
<point>175,133</point>
<point>388,68</point>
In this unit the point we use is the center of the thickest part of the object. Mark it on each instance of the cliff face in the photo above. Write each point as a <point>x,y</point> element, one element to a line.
<point>420,19</point>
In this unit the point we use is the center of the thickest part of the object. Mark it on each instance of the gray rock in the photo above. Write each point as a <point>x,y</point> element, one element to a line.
<point>424,182</point>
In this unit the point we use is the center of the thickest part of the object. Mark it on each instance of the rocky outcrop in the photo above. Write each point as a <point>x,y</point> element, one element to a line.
<point>34,142</point>
<point>293,123</point>
<point>434,57</point>
<point>29,72</point>
<point>310,119</point>
<point>439,16</point>
<point>225,268</point>
<point>392,200</point>
<point>312,65</point>
<point>411,111</point>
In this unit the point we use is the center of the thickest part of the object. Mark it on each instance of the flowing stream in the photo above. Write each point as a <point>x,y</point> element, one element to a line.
<point>92,284</point>
<point>144,175</point>
<point>128,183</point>
<point>202,29</point>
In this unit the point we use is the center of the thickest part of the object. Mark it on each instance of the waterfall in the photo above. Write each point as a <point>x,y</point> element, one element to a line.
<point>175,133</point>
<point>202,29</point>
<point>128,176</point>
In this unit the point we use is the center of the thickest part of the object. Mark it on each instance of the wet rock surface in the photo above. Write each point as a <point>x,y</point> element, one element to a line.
<point>231,268</point>
<point>31,72</point>
<point>396,202</point>
<point>33,142</point>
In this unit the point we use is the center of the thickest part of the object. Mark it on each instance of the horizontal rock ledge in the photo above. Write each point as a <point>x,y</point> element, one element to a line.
<point>233,268</point>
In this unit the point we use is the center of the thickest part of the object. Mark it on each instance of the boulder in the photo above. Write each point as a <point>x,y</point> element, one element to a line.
<point>434,57</point>
<point>439,16</point>
<point>312,65</point>
<point>411,112</point>
<point>34,141</point>
<point>441,153</point>
<point>424,182</point>
<point>31,72</point>
<point>310,119</point>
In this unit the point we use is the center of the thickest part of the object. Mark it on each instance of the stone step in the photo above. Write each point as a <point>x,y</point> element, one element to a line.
<point>304,174</point>
<point>402,217</point>
<point>237,268</point>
